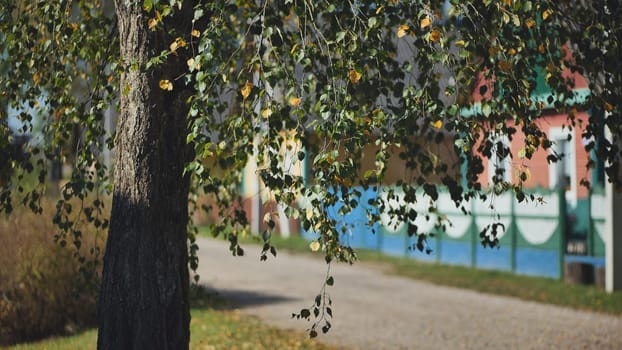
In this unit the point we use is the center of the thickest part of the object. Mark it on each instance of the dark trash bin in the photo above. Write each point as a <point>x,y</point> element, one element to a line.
<point>578,273</point>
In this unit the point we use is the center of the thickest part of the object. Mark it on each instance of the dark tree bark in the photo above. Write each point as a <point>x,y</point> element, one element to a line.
<point>144,296</point>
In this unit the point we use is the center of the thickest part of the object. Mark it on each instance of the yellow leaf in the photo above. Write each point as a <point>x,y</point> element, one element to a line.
<point>295,101</point>
<point>460,43</point>
<point>507,2</point>
<point>379,9</point>
<point>402,29</point>
<point>309,213</point>
<point>173,46</point>
<point>548,77</point>
<point>505,66</point>
<point>546,14</point>
<point>435,36</point>
<point>354,76</point>
<point>152,23</point>
<point>530,23</point>
<point>314,246</point>
<point>192,64</point>
<point>541,48</point>
<point>195,33</point>
<point>246,89</point>
<point>266,113</point>
<point>438,124</point>
<point>166,84</point>
<point>527,173</point>
<point>347,182</point>
<point>36,78</point>
<point>511,51</point>
<point>550,67</point>
<point>425,22</point>
<point>505,18</point>
<point>521,153</point>
<point>179,42</point>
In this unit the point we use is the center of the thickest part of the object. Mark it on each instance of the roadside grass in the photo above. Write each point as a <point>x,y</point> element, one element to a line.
<point>538,289</point>
<point>214,326</point>
<point>83,340</point>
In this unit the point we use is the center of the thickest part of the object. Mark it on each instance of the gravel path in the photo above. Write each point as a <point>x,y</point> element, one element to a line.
<point>377,311</point>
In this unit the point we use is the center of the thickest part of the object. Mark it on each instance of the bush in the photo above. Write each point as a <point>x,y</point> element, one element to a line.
<point>44,290</point>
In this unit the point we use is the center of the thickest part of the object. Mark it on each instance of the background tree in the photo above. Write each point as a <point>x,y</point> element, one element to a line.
<point>202,86</point>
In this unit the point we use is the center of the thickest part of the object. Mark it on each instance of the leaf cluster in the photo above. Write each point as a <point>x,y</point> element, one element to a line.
<point>324,97</point>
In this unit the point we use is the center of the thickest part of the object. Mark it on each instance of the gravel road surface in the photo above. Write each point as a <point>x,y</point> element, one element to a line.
<point>376,311</point>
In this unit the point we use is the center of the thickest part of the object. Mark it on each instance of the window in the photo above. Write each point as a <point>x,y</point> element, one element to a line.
<point>564,171</point>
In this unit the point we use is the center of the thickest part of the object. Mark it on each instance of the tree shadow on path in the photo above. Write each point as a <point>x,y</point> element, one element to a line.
<point>204,297</point>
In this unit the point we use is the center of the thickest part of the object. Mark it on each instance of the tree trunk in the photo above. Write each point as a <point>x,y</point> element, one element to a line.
<point>144,296</point>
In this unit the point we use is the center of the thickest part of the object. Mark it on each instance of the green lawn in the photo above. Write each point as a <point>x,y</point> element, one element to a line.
<point>538,289</point>
<point>85,340</point>
<point>213,327</point>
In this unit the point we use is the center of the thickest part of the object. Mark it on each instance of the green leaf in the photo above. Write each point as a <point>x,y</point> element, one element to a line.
<point>486,110</point>
<point>198,13</point>
<point>371,22</point>
<point>147,5</point>
<point>340,36</point>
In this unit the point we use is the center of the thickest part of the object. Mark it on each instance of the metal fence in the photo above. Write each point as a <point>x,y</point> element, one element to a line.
<point>536,236</point>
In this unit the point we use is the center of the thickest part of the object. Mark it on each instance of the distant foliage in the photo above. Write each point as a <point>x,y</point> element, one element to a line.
<point>43,291</point>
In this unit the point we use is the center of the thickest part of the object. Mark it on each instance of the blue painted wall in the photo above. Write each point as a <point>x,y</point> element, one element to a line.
<point>538,260</point>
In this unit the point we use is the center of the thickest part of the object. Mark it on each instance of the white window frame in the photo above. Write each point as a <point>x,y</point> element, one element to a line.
<point>557,134</point>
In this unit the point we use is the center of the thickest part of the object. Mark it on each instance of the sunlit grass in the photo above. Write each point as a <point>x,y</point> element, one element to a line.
<point>213,327</point>
<point>83,341</point>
